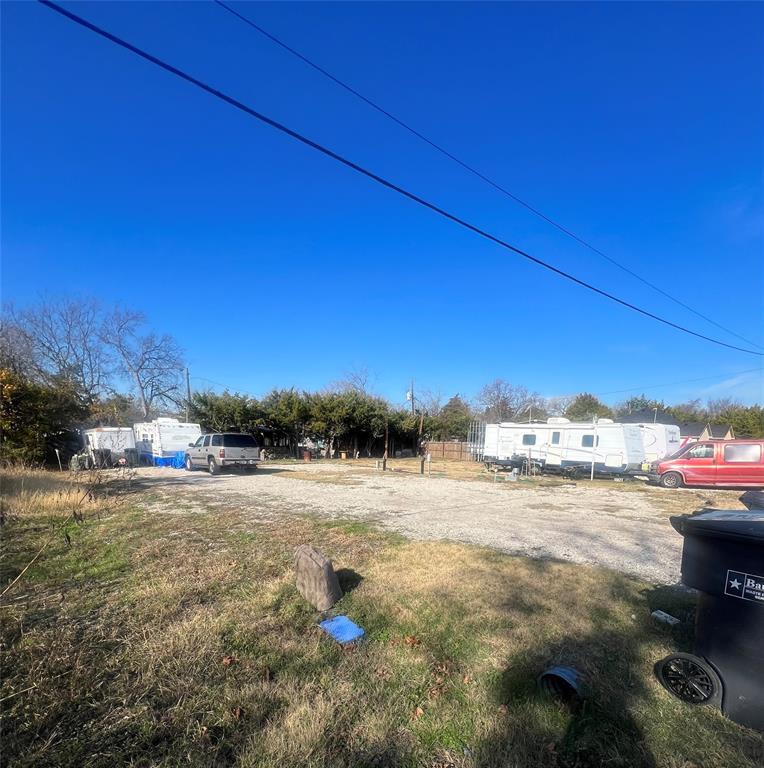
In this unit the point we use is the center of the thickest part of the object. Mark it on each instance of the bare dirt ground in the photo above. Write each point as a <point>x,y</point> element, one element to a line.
<point>623,526</point>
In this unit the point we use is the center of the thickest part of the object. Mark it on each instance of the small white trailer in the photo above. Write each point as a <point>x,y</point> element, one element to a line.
<point>160,441</point>
<point>564,446</point>
<point>659,440</point>
<point>105,446</point>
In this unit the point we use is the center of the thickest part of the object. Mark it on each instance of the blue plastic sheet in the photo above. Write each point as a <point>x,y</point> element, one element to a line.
<point>342,629</point>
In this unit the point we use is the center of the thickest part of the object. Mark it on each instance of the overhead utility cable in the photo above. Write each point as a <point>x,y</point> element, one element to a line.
<point>474,171</point>
<point>379,179</point>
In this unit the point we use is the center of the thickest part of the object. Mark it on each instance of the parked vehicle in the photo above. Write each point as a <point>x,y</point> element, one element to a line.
<point>108,446</point>
<point>714,462</point>
<point>160,440</point>
<point>659,440</point>
<point>223,450</point>
<point>559,445</point>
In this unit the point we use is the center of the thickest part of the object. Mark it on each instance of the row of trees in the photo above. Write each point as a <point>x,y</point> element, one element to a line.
<point>70,363</point>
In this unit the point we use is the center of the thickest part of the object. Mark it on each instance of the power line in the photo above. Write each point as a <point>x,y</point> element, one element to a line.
<point>379,179</point>
<point>474,171</point>
<point>674,383</point>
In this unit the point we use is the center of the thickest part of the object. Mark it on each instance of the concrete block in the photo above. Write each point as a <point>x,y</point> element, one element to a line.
<point>316,580</point>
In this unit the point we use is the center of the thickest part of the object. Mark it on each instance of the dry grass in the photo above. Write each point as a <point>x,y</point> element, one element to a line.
<point>164,640</point>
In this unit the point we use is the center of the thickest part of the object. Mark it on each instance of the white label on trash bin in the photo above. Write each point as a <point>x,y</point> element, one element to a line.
<point>746,586</point>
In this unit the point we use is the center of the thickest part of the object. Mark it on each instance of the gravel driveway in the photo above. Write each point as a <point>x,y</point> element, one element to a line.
<point>604,524</point>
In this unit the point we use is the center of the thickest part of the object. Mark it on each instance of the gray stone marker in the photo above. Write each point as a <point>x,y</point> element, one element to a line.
<point>316,580</point>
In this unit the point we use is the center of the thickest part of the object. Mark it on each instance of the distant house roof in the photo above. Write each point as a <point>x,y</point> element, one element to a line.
<point>691,428</point>
<point>706,431</point>
<point>720,431</point>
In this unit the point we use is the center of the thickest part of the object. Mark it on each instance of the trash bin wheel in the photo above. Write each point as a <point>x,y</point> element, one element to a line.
<point>690,678</point>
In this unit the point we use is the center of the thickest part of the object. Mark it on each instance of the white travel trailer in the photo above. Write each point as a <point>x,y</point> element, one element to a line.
<point>107,445</point>
<point>163,438</point>
<point>562,445</point>
<point>659,440</point>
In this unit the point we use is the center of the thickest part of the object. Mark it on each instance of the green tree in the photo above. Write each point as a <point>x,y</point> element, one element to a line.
<point>36,418</point>
<point>453,420</point>
<point>585,406</point>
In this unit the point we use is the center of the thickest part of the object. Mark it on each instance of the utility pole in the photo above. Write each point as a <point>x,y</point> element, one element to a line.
<point>188,392</point>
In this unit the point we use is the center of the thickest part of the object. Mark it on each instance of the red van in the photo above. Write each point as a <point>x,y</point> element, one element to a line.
<point>715,462</point>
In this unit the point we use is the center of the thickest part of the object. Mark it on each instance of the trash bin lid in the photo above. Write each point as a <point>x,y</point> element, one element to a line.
<point>722,524</point>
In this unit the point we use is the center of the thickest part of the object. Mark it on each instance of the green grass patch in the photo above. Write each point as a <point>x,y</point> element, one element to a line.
<point>143,638</point>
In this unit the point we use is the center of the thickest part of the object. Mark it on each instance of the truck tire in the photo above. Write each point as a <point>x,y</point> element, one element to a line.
<point>213,467</point>
<point>189,465</point>
<point>671,480</point>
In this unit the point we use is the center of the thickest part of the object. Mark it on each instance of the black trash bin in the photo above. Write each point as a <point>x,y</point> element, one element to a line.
<point>723,558</point>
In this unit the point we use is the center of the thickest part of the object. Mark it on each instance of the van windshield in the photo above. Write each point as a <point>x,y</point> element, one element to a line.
<point>239,441</point>
<point>679,453</point>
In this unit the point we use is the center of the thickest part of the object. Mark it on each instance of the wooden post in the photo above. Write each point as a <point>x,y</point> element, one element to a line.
<point>384,457</point>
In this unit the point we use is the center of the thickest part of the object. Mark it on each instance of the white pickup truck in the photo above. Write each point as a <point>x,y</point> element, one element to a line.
<point>222,450</point>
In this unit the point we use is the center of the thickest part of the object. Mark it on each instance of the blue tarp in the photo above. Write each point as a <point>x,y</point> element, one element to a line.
<point>342,629</point>
<point>177,461</point>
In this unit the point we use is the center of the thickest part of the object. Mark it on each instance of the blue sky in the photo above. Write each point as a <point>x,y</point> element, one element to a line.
<point>639,126</point>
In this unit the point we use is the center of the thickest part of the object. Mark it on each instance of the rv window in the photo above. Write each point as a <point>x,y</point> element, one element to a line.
<point>529,439</point>
<point>742,453</point>
<point>217,440</point>
<point>555,438</point>
<point>206,440</point>
<point>587,441</point>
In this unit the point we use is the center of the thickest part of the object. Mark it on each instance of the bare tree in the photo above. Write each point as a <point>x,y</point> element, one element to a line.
<point>556,406</point>
<point>502,401</point>
<point>16,349</point>
<point>152,363</point>
<point>58,340</point>
<point>355,380</point>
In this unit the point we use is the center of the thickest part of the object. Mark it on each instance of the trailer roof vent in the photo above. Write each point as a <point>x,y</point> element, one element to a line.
<point>557,420</point>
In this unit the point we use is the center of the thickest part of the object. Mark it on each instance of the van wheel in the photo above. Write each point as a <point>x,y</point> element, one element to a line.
<point>671,480</point>
<point>213,467</point>
<point>189,465</point>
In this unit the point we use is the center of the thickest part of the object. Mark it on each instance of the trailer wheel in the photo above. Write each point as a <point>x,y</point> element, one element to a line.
<point>671,480</point>
<point>213,467</point>
<point>690,679</point>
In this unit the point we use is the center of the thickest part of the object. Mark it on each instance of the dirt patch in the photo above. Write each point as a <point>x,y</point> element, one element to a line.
<point>622,526</point>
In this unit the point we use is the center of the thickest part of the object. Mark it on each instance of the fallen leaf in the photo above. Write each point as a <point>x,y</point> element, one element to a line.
<point>435,692</point>
<point>412,640</point>
<point>467,679</point>
<point>237,712</point>
<point>503,709</point>
<point>418,712</point>
<point>228,660</point>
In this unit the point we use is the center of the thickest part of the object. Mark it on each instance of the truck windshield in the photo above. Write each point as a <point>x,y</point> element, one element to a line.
<point>239,441</point>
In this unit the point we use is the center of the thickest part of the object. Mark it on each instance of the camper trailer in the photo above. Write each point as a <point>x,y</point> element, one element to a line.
<point>107,446</point>
<point>659,440</point>
<point>163,439</point>
<point>559,445</point>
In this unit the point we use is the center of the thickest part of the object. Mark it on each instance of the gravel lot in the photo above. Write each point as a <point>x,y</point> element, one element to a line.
<point>619,526</point>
